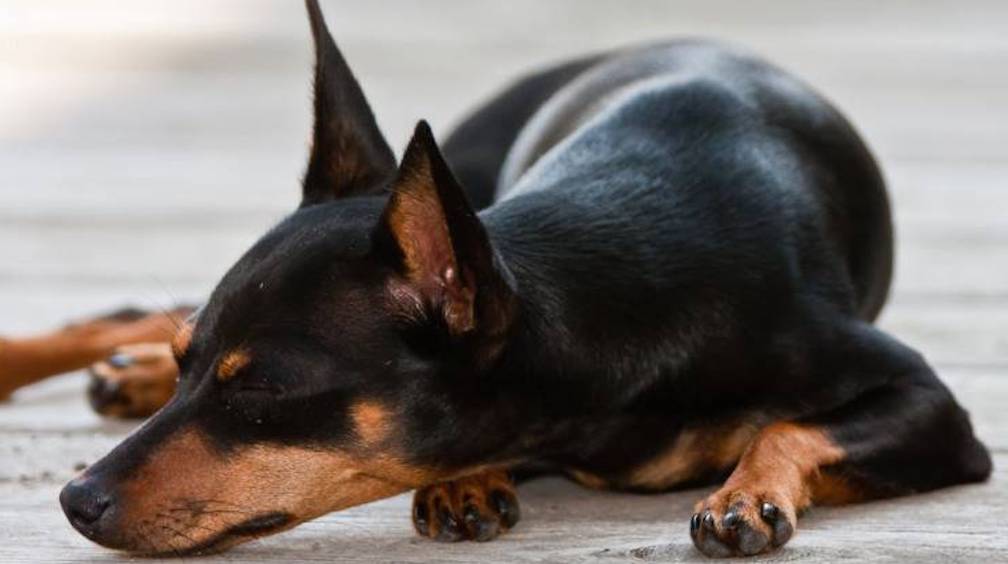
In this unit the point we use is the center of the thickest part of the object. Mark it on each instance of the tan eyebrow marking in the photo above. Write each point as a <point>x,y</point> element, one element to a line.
<point>371,421</point>
<point>183,338</point>
<point>231,363</point>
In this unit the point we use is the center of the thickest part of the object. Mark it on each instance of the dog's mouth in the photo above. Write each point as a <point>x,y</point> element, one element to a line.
<point>249,529</point>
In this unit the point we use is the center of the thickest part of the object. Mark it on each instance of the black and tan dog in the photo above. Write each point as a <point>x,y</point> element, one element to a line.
<point>675,283</point>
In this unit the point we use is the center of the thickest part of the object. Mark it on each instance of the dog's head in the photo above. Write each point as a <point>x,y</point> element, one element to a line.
<point>336,363</point>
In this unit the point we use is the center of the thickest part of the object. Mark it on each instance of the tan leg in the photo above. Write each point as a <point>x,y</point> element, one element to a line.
<point>28,360</point>
<point>778,476</point>
<point>134,382</point>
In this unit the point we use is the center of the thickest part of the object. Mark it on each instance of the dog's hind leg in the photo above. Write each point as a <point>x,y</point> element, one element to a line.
<point>24,361</point>
<point>905,435</point>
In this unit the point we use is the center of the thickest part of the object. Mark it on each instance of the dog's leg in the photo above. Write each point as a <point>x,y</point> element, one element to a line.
<point>905,435</point>
<point>776,478</point>
<point>477,507</point>
<point>28,360</point>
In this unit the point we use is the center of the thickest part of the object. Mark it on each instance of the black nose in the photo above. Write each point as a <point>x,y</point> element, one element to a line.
<point>84,503</point>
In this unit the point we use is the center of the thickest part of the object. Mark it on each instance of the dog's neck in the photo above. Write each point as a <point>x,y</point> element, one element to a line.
<point>549,390</point>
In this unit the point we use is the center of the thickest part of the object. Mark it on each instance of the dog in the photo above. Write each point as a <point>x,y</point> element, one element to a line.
<point>672,282</point>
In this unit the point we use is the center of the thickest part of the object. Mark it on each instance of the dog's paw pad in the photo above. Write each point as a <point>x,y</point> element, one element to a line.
<point>478,508</point>
<point>736,523</point>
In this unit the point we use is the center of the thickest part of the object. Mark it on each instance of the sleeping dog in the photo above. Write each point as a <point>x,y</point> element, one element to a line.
<point>674,285</point>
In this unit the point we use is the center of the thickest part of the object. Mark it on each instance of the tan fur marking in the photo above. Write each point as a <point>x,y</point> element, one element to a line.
<point>413,213</point>
<point>186,494</point>
<point>231,363</point>
<point>372,421</point>
<point>420,228</point>
<point>785,458</point>
<point>27,360</point>
<point>695,452</point>
<point>783,465</point>
<point>834,490</point>
<point>588,480</point>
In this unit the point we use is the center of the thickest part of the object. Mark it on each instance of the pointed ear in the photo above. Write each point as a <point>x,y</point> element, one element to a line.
<point>448,264</point>
<point>349,156</point>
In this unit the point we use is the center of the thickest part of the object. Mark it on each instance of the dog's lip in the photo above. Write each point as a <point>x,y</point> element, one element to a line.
<point>250,528</point>
<point>259,525</point>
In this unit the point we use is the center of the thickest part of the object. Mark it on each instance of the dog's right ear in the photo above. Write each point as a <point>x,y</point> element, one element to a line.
<point>449,273</point>
<point>349,155</point>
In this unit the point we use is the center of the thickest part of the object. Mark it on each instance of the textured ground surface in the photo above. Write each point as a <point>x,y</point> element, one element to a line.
<point>143,145</point>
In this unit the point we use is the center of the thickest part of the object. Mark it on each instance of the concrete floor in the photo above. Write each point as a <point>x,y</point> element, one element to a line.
<point>144,145</point>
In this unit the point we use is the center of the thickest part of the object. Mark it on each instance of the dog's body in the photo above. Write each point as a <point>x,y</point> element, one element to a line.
<point>676,279</point>
<point>691,232</point>
<point>757,230</point>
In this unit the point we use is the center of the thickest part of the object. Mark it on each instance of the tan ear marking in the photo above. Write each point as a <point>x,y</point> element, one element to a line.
<point>416,217</point>
<point>231,363</point>
<point>420,227</point>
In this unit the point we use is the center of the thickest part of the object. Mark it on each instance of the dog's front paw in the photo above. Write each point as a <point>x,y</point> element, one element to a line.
<point>134,382</point>
<point>738,522</point>
<point>477,507</point>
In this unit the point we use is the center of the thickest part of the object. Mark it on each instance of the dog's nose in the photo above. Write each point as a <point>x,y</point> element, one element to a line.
<point>84,503</point>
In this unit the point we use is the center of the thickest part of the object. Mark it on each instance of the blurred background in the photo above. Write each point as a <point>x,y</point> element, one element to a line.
<point>145,144</point>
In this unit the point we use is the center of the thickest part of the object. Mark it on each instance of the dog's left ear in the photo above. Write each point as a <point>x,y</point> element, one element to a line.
<point>448,265</point>
<point>349,155</point>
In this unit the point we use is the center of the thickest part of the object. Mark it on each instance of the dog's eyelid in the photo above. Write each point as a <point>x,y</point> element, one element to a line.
<point>260,385</point>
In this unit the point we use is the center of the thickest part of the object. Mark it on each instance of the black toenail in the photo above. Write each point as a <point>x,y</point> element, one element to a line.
<point>449,521</point>
<point>731,520</point>
<point>420,517</point>
<point>470,514</point>
<point>420,511</point>
<point>781,524</point>
<point>694,524</point>
<point>450,529</point>
<point>120,360</point>
<point>769,512</point>
<point>103,393</point>
<point>500,502</point>
<point>506,506</point>
<point>708,521</point>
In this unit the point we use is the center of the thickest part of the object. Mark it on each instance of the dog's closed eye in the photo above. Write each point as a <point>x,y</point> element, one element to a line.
<point>252,397</point>
<point>257,386</point>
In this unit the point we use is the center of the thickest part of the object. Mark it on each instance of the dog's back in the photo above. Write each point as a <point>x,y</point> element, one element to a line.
<point>733,133</point>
